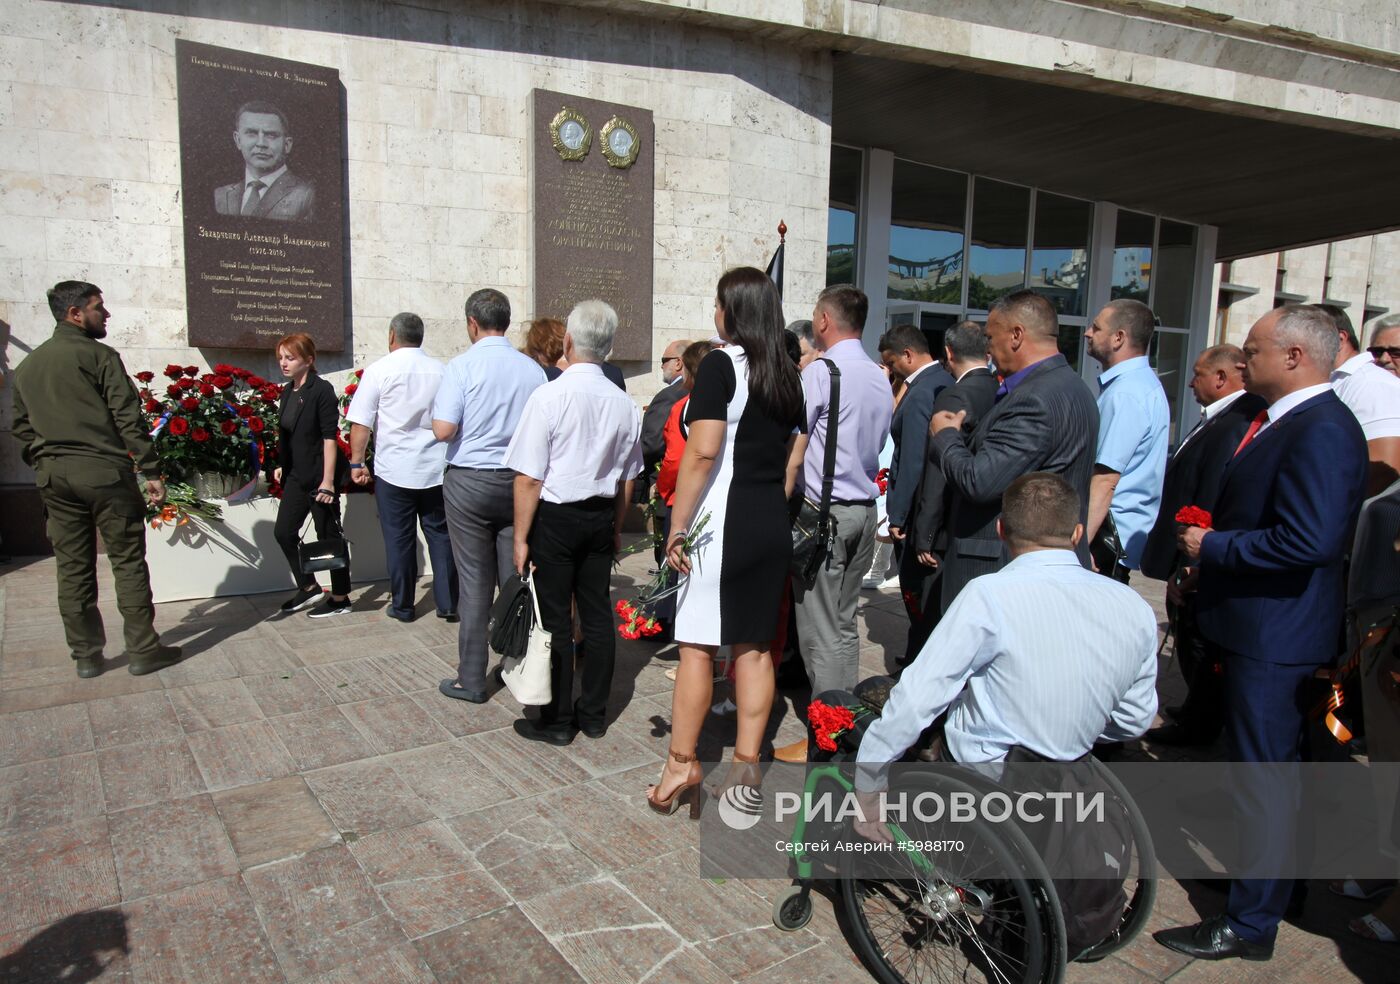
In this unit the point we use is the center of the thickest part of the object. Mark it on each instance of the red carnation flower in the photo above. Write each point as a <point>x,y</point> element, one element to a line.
<point>1193,516</point>
<point>208,377</point>
<point>173,371</point>
<point>206,390</point>
<point>228,426</point>
<point>238,372</point>
<point>189,403</point>
<point>145,376</point>
<point>191,370</point>
<point>223,382</point>
<point>145,394</point>
<point>359,373</point>
<point>199,435</point>
<point>179,426</point>
<point>257,382</point>
<point>173,390</point>
<point>350,390</point>
<point>255,424</point>
<point>152,406</point>
<point>187,384</point>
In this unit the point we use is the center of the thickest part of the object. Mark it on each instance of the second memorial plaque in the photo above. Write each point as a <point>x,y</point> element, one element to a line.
<point>593,212</point>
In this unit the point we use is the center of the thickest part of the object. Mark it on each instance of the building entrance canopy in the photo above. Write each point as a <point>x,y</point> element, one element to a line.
<point>1265,184</point>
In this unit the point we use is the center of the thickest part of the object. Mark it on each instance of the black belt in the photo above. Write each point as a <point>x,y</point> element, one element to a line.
<point>473,468</point>
<point>853,502</point>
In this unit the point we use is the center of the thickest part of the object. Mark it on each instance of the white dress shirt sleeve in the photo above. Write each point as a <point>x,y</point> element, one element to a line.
<point>528,451</point>
<point>364,405</point>
<point>451,396</point>
<point>964,641</point>
<point>635,463</point>
<point>1136,711</point>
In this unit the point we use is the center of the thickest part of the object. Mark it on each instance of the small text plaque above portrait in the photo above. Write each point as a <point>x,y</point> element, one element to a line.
<point>264,198</point>
<point>593,212</point>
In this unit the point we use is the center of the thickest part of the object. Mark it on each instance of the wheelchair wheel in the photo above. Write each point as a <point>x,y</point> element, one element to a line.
<point>1141,884</point>
<point>793,908</point>
<point>985,912</point>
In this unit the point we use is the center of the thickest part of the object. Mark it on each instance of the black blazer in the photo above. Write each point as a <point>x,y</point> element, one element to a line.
<point>1193,479</point>
<point>654,423</point>
<point>975,393</point>
<point>610,371</point>
<point>308,417</point>
<point>1050,423</point>
<point>909,430</point>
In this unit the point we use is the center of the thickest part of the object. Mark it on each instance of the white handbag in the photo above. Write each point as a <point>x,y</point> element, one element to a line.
<point>527,677</point>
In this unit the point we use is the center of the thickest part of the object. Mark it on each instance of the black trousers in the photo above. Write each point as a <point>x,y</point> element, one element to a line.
<point>296,503</point>
<point>571,546</point>
<point>1204,709</point>
<point>919,589</point>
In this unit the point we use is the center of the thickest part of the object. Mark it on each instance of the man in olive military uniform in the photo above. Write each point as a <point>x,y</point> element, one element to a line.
<point>79,424</point>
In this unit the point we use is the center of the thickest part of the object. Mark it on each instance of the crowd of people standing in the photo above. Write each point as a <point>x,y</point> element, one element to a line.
<point>1010,484</point>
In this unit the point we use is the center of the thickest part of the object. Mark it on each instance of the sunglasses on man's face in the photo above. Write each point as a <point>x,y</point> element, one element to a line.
<point>672,358</point>
<point>1392,350</point>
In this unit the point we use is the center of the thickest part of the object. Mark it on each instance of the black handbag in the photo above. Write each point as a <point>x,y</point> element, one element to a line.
<point>811,522</point>
<point>512,617</point>
<point>1106,548</point>
<point>330,554</point>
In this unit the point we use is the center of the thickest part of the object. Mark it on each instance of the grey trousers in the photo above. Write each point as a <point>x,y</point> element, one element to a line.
<point>480,516</point>
<point>826,614</point>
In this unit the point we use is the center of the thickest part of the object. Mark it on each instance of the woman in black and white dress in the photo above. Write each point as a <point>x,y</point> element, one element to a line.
<point>741,460</point>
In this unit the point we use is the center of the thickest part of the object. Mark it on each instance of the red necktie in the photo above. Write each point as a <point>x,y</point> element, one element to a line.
<point>1254,426</point>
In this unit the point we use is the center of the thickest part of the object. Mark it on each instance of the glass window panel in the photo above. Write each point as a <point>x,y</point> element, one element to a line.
<point>999,216</point>
<point>1060,254</point>
<point>844,198</point>
<point>1072,343</point>
<point>1176,274</point>
<point>927,209</point>
<point>1132,256</point>
<point>1169,358</point>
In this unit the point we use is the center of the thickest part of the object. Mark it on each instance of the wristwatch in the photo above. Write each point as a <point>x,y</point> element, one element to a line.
<point>354,465</point>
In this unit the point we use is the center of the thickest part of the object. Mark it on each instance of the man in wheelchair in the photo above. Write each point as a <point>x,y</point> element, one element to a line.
<point>1037,661</point>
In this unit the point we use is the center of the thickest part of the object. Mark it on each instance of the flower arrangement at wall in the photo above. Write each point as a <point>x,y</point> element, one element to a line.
<point>222,422</point>
<point>343,438</point>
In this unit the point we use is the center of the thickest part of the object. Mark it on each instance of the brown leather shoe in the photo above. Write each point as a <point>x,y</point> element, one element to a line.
<point>796,753</point>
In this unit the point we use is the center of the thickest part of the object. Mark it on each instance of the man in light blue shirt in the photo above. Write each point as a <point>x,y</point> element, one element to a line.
<point>478,405</point>
<point>1131,462</point>
<point>1042,654</point>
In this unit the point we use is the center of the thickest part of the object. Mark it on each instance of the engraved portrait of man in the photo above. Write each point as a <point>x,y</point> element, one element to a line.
<point>269,190</point>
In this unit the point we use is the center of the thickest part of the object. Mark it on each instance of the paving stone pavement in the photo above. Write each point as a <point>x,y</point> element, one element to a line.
<point>296,802</point>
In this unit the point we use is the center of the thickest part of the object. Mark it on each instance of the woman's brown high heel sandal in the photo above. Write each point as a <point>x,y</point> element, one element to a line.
<point>743,771</point>
<point>691,790</point>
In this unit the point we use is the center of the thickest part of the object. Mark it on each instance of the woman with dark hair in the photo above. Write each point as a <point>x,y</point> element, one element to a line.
<point>311,470</point>
<point>741,460</point>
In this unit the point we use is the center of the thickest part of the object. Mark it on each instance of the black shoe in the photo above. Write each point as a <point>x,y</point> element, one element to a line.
<point>165,656</point>
<point>331,608</point>
<point>449,688</point>
<point>303,597</point>
<point>1178,735</point>
<point>397,617</point>
<point>1212,939</point>
<point>594,731</point>
<point>89,666</point>
<point>528,729</point>
<point>450,617</point>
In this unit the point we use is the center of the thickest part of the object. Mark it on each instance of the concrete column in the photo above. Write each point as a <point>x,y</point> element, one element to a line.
<point>873,241</point>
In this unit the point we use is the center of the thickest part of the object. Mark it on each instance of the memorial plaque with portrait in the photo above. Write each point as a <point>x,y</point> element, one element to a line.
<point>264,198</point>
<point>593,212</point>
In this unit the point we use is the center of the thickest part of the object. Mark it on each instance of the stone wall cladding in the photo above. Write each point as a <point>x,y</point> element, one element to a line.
<point>437,103</point>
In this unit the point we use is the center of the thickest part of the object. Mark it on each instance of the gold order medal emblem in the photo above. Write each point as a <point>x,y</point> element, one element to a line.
<point>620,142</point>
<point>571,134</point>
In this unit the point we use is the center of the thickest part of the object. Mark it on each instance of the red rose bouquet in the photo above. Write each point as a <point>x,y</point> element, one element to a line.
<point>1193,516</point>
<point>829,723</point>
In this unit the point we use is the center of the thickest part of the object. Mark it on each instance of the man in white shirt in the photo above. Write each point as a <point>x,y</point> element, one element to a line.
<point>1043,654</point>
<point>576,453</point>
<point>478,406</point>
<point>394,400</point>
<point>1373,395</point>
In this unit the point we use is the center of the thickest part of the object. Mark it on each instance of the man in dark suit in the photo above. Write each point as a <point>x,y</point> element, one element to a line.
<point>904,350</point>
<point>268,190</point>
<point>1270,600</point>
<point>1193,479</point>
<point>654,419</point>
<point>1044,419</point>
<point>965,355</point>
